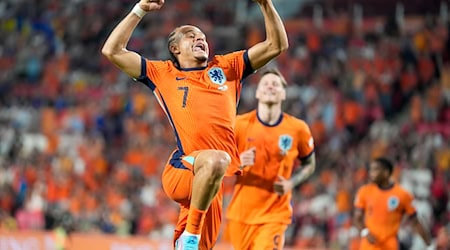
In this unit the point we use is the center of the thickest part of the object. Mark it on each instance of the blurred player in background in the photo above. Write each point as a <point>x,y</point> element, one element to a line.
<point>380,207</point>
<point>199,97</point>
<point>270,141</point>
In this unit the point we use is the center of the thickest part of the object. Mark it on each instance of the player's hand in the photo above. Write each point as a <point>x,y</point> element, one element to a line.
<point>282,185</point>
<point>372,240</point>
<point>150,5</point>
<point>248,157</point>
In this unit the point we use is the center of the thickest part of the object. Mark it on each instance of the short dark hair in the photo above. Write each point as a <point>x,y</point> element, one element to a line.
<point>170,41</point>
<point>276,72</point>
<point>385,163</point>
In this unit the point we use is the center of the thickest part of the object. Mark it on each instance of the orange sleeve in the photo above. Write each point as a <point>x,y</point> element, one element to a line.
<point>360,199</point>
<point>150,72</point>
<point>306,141</point>
<point>408,206</point>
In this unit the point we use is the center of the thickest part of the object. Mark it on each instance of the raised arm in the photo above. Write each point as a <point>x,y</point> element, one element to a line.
<point>276,38</point>
<point>115,46</point>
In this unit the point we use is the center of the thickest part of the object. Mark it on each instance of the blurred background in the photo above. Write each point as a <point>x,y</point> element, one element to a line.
<point>82,146</point>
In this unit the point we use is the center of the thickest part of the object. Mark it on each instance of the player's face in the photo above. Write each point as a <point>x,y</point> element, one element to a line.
<point>192,44</point>
<point>270,90</point>
<point>377,173</point>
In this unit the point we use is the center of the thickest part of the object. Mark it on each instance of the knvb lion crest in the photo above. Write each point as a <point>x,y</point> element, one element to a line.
<point>285,142</point>
<point>217,76</point>
<point>393,203</point>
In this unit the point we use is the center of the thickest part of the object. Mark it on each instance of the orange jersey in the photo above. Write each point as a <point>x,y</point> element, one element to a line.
<point>277,147</point>
<point>200,103</point>
<point>384,209</point>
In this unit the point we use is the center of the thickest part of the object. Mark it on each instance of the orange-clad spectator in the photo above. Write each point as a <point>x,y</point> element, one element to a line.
<point>426,69</point>
<point>408,80</point>
<point>6,200</point>
<point>318,131</point>
<point>313,42</point>
<point>48,120</point>
<point>421,41</point>
<point>352,113</point>
<point>59,188</point>
<point>415,111</point>
<point>343,201</point>
<point>139,102</point>
<point>146,223</point>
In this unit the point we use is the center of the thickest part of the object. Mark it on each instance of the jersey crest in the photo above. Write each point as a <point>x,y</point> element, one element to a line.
<point>393,203</point>
<point>217,76</point>
<point>285,143</point>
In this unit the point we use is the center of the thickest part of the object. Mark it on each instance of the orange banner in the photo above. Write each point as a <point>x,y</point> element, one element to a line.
<point>46,241</point>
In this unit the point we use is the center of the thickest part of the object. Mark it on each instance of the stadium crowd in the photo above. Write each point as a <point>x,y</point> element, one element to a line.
<point>83,145</point>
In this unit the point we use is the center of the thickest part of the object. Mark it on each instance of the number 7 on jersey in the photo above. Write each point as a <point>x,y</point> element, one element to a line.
<point>186,90</point>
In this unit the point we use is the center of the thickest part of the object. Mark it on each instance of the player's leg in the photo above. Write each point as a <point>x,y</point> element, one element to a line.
<point>177,184</point>
<point>193,181</point>
<point>241,235</point>
<point>209,169</point>
<point>211,226</point>
<point>270,236</point>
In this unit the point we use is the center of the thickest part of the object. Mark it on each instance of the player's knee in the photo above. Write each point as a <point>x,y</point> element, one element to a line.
<point>219,162</point>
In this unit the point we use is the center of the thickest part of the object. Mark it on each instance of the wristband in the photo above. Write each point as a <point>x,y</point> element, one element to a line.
<point>364,232</point>
<point>138,11</point>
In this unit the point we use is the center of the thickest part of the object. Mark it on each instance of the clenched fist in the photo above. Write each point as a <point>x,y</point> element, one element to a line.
<point>248,157</point>
<point>150,5</point>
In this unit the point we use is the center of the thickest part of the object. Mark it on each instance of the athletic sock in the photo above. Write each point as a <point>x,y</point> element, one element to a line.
<point>195,220</point>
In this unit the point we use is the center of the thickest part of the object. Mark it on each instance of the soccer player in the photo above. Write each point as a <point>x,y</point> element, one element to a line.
<point>380,207</point>
<point>199,94</point>
<point>270,142</point>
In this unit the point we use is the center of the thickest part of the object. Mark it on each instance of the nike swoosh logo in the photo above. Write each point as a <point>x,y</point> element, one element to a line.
<point>179,78</point>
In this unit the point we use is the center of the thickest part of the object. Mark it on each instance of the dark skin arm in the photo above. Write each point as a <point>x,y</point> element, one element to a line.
<point>358,221</point>
<point>419,228</point>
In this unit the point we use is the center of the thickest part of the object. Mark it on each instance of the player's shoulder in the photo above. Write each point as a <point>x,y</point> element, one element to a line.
<point>225,58</point>
<point>368,187</point>
<point>246,117</point>
<point>401,190</point>
<point>294,121</point>
<point>167,65</point>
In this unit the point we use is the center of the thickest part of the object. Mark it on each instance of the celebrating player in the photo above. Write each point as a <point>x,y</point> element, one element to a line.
<point>199,97</point>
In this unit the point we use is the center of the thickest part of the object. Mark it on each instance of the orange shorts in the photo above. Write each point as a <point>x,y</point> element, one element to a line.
<point>177,184</point>
<point>388,244</point>
<point>269,236</point>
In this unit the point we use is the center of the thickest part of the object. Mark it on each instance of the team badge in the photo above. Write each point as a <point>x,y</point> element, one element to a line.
<point>217,76</point>
<point>393,203</point>
<point>285,143</point>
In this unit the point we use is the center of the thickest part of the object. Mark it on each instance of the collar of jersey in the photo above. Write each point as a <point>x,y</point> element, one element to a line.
<point>267,124</point>
<point>192,69</point>
<point>391,185</point>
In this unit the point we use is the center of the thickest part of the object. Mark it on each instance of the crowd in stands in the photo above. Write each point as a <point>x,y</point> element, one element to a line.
<point>83,145</point>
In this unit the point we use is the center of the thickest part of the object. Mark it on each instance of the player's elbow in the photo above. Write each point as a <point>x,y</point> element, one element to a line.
<point>283,46</point>
<point>279,47</point>
<point>108,52</point>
